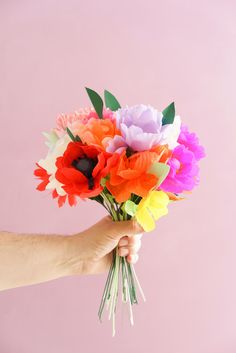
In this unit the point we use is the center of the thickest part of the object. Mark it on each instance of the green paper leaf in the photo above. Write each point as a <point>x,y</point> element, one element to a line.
<point>78,139</point>
<point>70,134</point>
<point>130,207</point>
<point>96,100</point>
<point>168,114</point>
<point>111,101</point>
<point>161,171</point>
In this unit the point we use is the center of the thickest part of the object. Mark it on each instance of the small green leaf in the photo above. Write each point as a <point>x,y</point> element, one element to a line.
<point>111,101</point>
<point>70,134</point>
<point>77,138</point>
<point>96,100</point>
<point>168,114</point>
<point>130,207</point>
<point>161,171</point>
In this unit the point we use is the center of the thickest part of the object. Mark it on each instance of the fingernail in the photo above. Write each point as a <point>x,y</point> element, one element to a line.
<point>123,252</point>
<point>123,242</point>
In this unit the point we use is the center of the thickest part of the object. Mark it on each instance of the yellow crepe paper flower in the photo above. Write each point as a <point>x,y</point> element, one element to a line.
<point>151,208</point>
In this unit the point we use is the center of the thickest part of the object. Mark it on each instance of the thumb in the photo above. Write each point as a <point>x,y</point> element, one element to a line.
<point>125,228</point>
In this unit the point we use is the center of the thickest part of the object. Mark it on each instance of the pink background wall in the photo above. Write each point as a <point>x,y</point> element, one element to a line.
<point>143,51</point>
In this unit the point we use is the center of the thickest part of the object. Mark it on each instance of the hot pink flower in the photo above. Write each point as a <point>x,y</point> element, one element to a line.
<point>191,142</point>
<point>183,175</point>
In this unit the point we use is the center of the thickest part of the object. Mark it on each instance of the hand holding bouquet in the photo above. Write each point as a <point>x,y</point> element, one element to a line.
<point>131,160</point>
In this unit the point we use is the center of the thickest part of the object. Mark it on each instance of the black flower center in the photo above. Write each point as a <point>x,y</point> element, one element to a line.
<point>86,166</point>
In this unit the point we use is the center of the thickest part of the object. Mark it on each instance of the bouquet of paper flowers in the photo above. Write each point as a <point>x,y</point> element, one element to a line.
<point>132,160</point>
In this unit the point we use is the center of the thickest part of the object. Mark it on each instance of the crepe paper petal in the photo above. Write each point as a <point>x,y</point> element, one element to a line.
<point>145,219</point>
<point>111,101</point>
<point>184,171</point>
<point>151,208</point>
<point>51,138</point>
<point>96,101</point>
<point>171,132</point>
<point>130,207</point>
<point>191,141</point>
<point>168,114</point>
<point>72,200</point>
<point>174,197</point>
<point>161,171</point>
<point>54,194</point>
<point>61,200</point>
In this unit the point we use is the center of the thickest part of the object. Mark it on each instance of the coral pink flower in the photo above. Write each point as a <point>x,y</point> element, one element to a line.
<point>77,118</point>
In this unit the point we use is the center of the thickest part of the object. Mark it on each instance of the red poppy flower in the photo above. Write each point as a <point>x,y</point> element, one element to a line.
<point>82,167</point>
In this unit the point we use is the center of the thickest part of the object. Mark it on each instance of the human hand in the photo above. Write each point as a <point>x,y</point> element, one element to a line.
<point>91,250</point>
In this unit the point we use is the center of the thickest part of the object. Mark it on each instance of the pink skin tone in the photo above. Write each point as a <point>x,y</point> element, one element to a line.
<point>129,246</point>
<point>27,259</point>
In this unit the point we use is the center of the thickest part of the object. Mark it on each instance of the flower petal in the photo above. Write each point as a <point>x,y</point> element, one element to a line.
<point>145,219</point>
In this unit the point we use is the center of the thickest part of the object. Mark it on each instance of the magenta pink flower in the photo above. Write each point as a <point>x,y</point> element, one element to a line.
<point>183,175</point>
<point>191,142</point>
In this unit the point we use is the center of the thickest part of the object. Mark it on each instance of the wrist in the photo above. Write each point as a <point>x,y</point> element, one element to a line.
<point>74,255</point>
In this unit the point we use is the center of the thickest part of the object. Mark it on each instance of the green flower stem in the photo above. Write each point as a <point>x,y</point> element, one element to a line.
<point>119,268</point>
<point>105,292</point>
<point>132,284</point>
<point>138,283</point>
<point>124,297</point>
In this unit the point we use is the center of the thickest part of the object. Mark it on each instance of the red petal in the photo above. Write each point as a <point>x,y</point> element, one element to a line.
<point>72,200</point>
<point>61,200</point>
<point>91,151</point>
<point>42,185</point>
<point>55,194</point>
<point>100,165</point>
<point>69,175</point>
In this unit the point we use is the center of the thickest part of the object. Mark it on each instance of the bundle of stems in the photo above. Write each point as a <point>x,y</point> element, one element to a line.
<point>122,275</point>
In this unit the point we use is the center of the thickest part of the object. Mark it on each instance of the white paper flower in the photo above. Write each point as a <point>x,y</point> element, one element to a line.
<point>49,163</point>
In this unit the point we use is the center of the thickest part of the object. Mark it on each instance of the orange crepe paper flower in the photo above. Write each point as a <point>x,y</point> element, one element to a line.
<point>130,174</point>
<point>98,132</point>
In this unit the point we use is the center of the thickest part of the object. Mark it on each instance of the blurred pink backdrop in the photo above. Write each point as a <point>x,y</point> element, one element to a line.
<point>143,51</point>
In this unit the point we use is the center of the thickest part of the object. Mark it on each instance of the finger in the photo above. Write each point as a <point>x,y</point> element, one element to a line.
<point>134,238</point>
<point>124,241</point>
<point>130,240</point>
<point>128,228</point>
<point>123,252</point>
<point>132,259</point>
<point>130,249</point>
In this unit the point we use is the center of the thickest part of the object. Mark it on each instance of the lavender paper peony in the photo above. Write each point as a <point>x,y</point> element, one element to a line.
<point>141,129</point>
